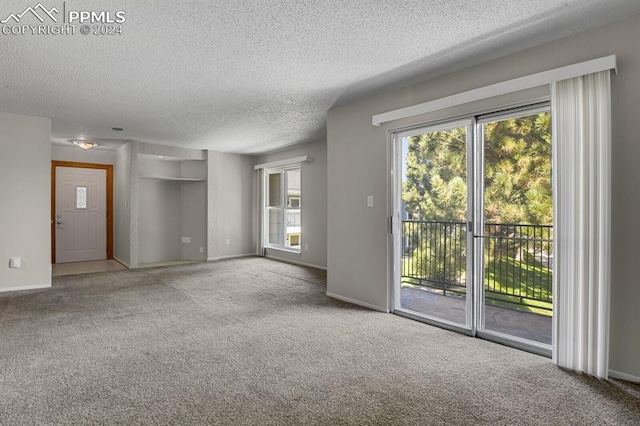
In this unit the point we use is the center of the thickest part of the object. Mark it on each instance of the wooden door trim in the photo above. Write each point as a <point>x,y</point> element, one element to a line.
<point>109,169</point>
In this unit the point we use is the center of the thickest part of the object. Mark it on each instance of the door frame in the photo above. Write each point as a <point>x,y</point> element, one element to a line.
<point>475,217</point>
<point>394,146</point>
<point>109,170</point>
<point>479,216</point>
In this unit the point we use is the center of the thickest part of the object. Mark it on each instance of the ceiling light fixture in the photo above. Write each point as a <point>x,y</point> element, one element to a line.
<point>85,144</point>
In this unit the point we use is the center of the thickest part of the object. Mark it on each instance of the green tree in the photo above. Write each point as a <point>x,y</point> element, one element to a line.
<point>517,159</point>
<point>517,173</point>
<point>435,187</point>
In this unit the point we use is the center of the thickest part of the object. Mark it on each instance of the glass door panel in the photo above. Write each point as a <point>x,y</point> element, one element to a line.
<point>434,281</point>
<point>515,244</point>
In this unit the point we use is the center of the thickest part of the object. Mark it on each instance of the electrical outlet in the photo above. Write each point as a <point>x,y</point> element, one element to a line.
<point>201,249</point>
<point>306,247</point>
<point>369,200</point>
<point>186,239</point>
<point>15,262</point>
<point>227,241</point>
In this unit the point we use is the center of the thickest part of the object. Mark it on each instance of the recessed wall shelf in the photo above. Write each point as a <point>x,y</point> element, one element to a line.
<point>172,205</point>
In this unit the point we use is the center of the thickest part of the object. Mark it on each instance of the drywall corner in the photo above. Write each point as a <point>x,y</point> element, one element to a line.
<point>122,205</point>
<point>230,205</point>
<point>25,197</point>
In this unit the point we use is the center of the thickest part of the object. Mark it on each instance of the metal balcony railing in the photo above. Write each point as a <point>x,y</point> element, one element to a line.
<point>517,261</point>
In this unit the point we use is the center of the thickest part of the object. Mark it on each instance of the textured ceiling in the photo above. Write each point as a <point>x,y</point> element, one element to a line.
<point>252,76</point>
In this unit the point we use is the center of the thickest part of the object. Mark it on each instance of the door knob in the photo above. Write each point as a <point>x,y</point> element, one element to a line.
<point>59,223</point>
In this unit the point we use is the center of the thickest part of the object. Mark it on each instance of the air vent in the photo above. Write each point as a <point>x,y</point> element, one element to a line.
<point>117,129</point>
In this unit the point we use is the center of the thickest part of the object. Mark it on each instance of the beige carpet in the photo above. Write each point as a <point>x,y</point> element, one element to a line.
<point>254,341</point>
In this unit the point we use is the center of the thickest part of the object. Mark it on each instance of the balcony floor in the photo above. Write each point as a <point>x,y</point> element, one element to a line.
<point>526,325</point>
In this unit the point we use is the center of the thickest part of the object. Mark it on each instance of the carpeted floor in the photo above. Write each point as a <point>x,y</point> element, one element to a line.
<point>253,341</point>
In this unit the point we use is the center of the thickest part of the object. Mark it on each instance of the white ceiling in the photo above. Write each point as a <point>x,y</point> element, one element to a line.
<point>252,76</point>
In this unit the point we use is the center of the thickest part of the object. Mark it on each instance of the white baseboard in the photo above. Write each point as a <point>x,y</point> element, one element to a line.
<point>295,262</point>
<point>357,302</point>
<point>27,287</point>
<point>623,376</point>
<point>233,256</point>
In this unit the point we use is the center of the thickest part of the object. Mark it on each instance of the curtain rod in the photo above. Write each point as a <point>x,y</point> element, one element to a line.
<point>504,87</point>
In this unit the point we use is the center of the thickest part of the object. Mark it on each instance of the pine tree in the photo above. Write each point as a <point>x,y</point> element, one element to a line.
<point>517,159</point>
<point>518,189</point>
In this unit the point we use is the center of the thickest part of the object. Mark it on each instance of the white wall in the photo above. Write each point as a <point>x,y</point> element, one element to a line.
<point>230,201</point>
<point>357,159</point>
<point>314,202</point>
<point>122,216</point>
<point>78,155</point>
<point>25,197</point>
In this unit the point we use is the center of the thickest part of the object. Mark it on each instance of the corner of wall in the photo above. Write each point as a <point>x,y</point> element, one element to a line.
<point>25,197</point>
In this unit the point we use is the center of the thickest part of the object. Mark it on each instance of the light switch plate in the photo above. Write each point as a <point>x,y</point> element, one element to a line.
<point>369,200</point>
<point>186,239</point>
<point>15,262</point>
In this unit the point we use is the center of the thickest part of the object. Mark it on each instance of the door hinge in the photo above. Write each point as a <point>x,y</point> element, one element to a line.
<point>470,226</point>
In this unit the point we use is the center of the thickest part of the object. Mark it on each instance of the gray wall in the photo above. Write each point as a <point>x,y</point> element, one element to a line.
<point>171,151</point>
<point>314,203</point>
<point>122,216</point>
<point>194,210</point>
<point>152,166</point>
<point>159,223</point>
<point>170,210</point>
<point>153,215</point>
<point>357,160</point>
<point>236,205</point>
<point>134,203</point>
<point>193,220</point>
<point>25,197</point>
<point>78,155</point>
<point>230,205</point>
<point>212,204</point>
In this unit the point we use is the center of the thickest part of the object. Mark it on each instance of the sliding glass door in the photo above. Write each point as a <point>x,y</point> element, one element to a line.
<point>434,260</point>
<point>473,240</point>
<point>514,242</point>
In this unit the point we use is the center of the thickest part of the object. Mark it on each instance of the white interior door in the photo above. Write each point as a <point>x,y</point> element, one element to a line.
<point>81,214</point>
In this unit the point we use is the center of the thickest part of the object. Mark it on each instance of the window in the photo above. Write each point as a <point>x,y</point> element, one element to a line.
<point>81,197</point>
<point>283,227</point>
